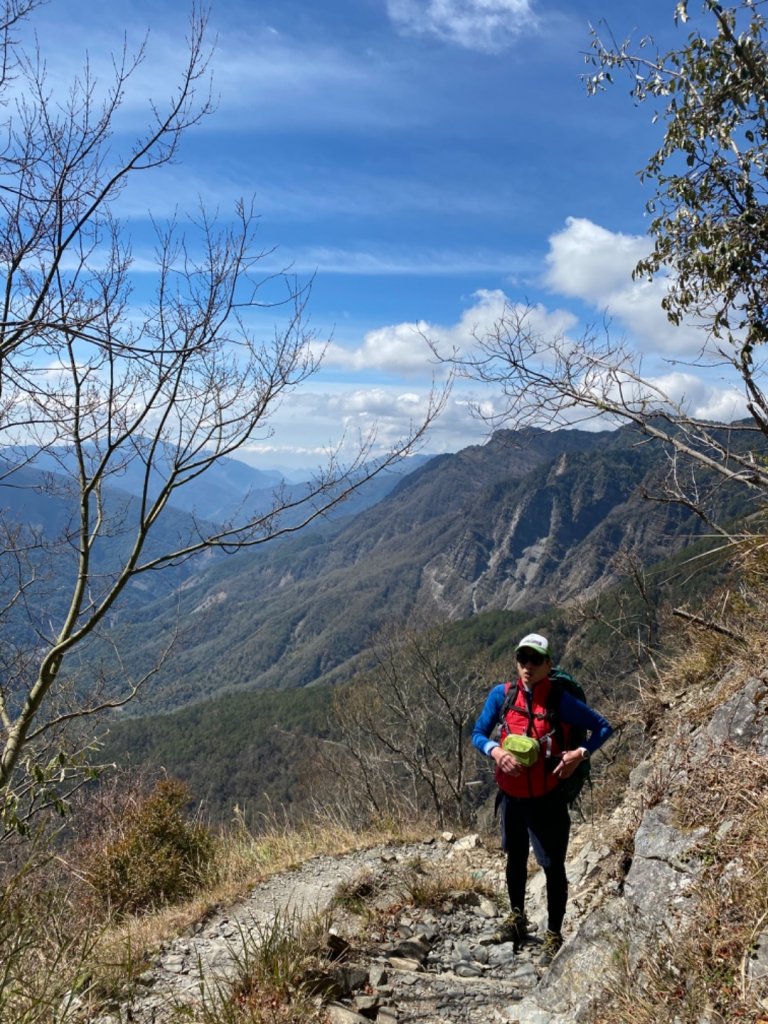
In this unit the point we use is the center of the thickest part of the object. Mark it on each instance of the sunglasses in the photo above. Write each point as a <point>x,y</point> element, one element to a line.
<point>530,658</point>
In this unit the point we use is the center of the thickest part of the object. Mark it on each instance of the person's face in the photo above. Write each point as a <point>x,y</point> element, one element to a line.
<point>532,666</point>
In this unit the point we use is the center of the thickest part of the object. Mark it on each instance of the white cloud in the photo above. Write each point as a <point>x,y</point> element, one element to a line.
<point>259,77</point>
<point>410,348</point>
<point>475,321</point>
<point>406,347</point>
<point>488,26</point>
<point>384,405</point>
<point>154,59</point>
<point>700,398</point>
<point>378,262</point>
<point>491,305</point>
<point>588,262</point>
<point>295,198</point>
<point>338,414</point>
<point>401,348</point>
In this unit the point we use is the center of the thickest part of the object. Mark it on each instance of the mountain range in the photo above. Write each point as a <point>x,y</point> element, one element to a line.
<point>528,521</point>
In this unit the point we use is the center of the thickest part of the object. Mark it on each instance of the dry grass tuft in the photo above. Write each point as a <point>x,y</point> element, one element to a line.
<point>277,969</point>
<point>44,954</point>
<point>241,861</point>
<point>64,952</point>
<point>699,970</point>
<point>432,888</point>
<point>356,894</point>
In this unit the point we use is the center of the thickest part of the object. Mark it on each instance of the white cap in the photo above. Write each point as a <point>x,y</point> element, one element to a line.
<point>536,642</point>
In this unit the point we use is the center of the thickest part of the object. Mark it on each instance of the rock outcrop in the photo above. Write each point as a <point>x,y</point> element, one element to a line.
<point>662,900</point>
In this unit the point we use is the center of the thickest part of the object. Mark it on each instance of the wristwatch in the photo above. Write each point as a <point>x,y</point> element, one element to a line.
<point>584,753</point>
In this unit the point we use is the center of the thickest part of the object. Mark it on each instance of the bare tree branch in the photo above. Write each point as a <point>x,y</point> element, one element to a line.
<point>103,385</point>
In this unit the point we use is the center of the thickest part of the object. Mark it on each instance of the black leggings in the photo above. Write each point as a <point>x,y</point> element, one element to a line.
<point>544,823</point>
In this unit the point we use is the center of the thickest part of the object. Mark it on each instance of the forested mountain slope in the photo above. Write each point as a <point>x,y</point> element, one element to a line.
<point>527,521</point>
<point>39,514</point>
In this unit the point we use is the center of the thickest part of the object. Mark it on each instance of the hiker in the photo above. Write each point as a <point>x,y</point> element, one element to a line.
<point>533,800</point>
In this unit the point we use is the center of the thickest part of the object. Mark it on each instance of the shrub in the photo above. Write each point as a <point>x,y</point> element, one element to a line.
<point>153,854</point>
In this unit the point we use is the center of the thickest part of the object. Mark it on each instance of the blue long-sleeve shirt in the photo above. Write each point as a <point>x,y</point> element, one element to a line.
<point>570,711</point>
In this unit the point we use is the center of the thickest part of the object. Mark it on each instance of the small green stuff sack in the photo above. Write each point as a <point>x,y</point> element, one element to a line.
<point>525,749</point>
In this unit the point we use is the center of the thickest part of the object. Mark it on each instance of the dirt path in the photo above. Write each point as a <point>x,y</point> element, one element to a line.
<point>460,979</point>
<point>215,947</point>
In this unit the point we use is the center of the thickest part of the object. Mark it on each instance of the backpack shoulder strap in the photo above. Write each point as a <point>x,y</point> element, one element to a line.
<point>509,700</point>
<point>510,704</point>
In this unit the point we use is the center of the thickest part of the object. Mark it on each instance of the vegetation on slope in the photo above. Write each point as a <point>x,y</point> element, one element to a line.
<point>259,750</point>
<point>524,522</point>
<point>61,938</point>
<point>255,751</point>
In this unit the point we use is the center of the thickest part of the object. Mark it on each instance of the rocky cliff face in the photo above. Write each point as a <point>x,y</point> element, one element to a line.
<point>672,919</point>
<point>552,536</point>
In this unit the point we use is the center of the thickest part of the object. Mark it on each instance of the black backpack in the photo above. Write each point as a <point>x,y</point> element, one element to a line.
<point>573,785</point>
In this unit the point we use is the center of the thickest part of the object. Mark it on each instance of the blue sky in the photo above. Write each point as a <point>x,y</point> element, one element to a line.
<point>425,160</point>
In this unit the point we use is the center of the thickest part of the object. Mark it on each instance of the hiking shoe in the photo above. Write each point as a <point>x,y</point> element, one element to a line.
<point>514,928</point>
<point>553,941</point>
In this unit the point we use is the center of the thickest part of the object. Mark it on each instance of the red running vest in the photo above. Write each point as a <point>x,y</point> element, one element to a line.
<point>536,721</point>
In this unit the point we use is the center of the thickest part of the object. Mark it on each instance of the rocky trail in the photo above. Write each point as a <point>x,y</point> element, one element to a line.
<point>432,965</point>
<point>640,880</point>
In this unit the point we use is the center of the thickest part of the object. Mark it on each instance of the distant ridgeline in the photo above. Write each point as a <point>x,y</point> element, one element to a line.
<point>258,749</point>
<point>39,505</point>
<point>527,522</point>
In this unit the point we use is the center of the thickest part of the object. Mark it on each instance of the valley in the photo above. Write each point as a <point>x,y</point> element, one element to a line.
<point>528,531</point>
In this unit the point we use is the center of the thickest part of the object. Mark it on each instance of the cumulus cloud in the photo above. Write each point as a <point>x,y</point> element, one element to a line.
<point>366,403</point>
<point>408,348</point>
<point>591,263</point>
<point>488,308</point>
<point>488,26</point>
<point>401,348</point>
<point>418,348</point>
<point>336,414</point>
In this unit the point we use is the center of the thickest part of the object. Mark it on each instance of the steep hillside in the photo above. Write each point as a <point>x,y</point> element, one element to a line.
<point>670,922</point>
<point>668,894</point>
<point>554,536</point>
<point>525,522</point>
<point>38,511</point>
<point>239,750</point>
<point>39,506</point>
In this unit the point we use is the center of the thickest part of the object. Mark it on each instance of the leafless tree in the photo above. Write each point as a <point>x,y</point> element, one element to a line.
<point>102,383</point>
<point>549,380</point>
<point>405,732</point>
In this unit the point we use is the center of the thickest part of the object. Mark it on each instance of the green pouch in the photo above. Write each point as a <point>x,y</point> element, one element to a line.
<point>524,749</point>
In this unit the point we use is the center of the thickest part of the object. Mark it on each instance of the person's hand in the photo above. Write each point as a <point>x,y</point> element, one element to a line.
<point>506,761</point>
<point>569,762</point>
